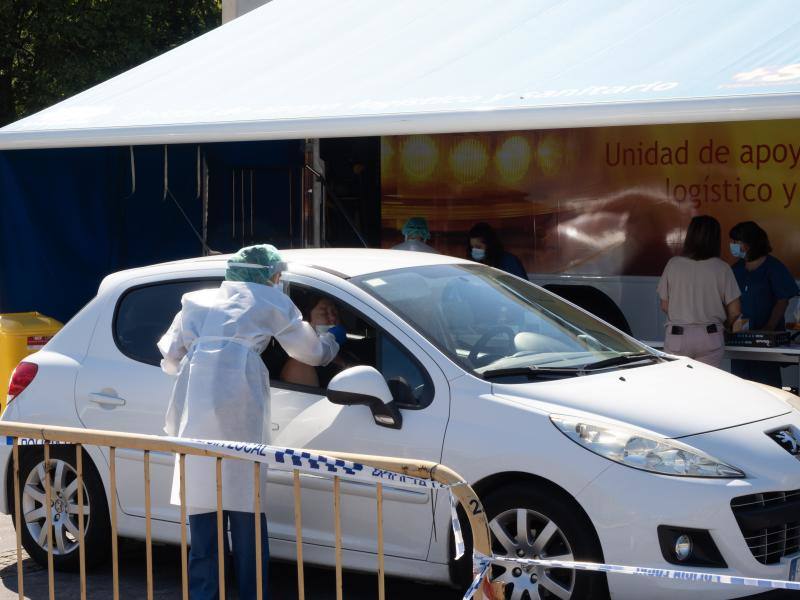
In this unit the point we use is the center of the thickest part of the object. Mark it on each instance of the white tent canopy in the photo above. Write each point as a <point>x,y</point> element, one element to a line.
<point>316,68</point>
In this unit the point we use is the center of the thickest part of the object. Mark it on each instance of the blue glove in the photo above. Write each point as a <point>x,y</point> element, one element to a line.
<point>340,333</point>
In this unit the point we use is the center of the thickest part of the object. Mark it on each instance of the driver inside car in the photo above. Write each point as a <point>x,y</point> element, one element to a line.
<point>323,315</point>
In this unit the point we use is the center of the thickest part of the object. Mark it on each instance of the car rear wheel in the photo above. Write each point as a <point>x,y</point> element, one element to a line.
<point>64,513</point>
<point>527,521</point>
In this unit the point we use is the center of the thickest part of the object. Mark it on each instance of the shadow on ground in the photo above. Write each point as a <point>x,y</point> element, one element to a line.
<point>320,583</point>
<point>167,581</point>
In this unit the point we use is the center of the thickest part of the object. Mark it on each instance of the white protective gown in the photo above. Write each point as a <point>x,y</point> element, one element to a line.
<point>222,388</point>
<point>415,246</point>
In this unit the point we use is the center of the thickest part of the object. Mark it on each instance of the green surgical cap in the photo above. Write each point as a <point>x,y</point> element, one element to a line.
<point>417,227</point>
<point>255,264</point>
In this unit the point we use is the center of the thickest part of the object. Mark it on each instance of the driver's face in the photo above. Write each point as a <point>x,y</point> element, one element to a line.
<point>324,313</point>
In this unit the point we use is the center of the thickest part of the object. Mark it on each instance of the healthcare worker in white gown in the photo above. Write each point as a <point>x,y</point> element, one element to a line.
<point>416,235</point>
<point>222,393</point>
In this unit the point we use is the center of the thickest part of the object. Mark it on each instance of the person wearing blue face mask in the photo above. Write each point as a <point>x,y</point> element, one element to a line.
<point>485,247</point>
<point>767,286</point>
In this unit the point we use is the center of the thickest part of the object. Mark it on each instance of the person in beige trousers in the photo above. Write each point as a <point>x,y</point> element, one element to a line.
<point>700,296</point>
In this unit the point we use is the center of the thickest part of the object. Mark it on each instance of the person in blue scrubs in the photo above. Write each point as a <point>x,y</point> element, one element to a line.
<point>767,286</point>
<point>485,247</point>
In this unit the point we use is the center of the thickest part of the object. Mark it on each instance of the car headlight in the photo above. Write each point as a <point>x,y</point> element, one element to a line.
<point>640,450</point>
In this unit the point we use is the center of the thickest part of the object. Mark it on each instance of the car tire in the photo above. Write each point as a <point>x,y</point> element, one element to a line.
<point>63,476</point>
<point>550,512</point>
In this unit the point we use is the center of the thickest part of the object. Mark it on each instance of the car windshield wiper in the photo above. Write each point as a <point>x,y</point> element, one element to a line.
<point>622,359</point>
<point>534,372</point>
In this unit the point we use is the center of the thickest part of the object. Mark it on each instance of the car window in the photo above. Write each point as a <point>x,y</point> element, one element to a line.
<point>410,385</point>
<point>485,319</point>
<point>144,314</point>
<point>366,344</point>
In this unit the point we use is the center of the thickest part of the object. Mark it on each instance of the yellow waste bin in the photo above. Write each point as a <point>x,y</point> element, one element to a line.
<point>21,334</point>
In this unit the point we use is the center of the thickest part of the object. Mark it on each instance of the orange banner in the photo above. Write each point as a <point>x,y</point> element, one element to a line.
<point>605,201</point>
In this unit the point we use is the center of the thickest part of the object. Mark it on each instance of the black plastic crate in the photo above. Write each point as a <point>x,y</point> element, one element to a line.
<point>761,339</point>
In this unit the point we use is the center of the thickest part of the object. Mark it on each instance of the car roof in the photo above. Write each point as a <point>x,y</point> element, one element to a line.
<point>354,262</point>
<point>344,262</point>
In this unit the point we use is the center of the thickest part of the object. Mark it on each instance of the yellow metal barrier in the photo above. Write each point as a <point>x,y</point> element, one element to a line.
<point>113,440</point>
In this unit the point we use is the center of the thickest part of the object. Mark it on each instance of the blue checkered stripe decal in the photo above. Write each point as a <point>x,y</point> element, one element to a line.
<point>281,458</point>
<point>317,462</point>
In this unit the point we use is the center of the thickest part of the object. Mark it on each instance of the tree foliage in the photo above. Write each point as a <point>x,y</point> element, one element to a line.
<point>52,49</point>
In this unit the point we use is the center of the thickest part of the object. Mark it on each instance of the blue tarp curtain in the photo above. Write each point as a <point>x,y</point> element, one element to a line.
<point>69,217</point>
<point>268,172</point>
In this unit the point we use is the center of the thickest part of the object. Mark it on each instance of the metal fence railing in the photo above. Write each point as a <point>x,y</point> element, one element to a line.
<point>378,471</point>
<point>375,470</point>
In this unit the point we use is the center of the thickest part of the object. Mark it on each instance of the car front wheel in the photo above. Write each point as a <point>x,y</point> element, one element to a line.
<point>527,521</point>
<point>64,513</point>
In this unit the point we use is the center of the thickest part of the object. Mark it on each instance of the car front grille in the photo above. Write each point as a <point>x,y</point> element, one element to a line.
<point>770,524</point>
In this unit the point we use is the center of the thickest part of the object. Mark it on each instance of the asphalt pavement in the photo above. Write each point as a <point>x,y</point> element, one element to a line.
<point>167,578</point>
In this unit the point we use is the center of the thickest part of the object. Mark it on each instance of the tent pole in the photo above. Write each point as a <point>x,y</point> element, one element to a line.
<point>204,196</point>
<point>166,174</point>
<point>317,194</point>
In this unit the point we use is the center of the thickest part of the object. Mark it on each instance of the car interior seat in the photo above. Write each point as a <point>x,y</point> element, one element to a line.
<point>593,300</point>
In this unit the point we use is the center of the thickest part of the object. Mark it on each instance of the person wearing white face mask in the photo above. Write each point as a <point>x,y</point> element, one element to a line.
<point>484,246</point>
<point>222,392</point>
<point>324,317</point>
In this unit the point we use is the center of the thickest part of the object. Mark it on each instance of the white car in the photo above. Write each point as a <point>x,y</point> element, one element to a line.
<point>582,442</point>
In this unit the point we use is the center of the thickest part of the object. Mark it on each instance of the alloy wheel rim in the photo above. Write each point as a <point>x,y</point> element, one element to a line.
<point>63,506</point>
<point>525,533</point>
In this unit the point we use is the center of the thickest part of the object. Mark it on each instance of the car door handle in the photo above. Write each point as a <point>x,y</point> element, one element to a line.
<point>106,400</point>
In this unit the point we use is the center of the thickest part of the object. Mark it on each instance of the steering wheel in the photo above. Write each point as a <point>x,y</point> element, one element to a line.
<point>481,344</point>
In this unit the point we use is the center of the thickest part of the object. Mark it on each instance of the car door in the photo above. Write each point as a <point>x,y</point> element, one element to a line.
<point>121,387</point>
<point>303,417</point>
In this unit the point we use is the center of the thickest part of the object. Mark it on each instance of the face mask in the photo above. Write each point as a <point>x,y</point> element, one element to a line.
<point>478,254</point>
<point>320,329</point>
<point>736,250</point>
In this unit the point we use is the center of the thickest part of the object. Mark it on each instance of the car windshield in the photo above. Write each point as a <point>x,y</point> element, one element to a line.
<point>494,324</point>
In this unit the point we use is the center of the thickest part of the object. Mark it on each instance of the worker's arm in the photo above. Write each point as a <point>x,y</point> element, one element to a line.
<point>300,341</point>
<point>665,305</point>
<point>172,347</point>
<point>733,311</point>
<point>783,287</point>
<point>776,316</point>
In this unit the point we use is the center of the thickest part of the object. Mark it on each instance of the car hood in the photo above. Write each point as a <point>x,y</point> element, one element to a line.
<point>675,398</point>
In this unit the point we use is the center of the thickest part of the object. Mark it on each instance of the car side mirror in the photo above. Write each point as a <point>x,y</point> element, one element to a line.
<point>365,385</point>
